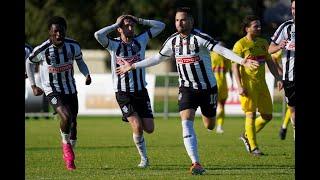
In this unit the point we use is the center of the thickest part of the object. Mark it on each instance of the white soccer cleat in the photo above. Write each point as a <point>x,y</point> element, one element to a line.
<point>144,163</point>
<point>219,130</point>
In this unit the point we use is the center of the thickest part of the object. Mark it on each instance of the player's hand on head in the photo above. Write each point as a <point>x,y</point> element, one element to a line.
<point>120,19</point>
<point>88,79</point>
<point>36,90</point>
<point>123,68</point>
<point>135,19</point>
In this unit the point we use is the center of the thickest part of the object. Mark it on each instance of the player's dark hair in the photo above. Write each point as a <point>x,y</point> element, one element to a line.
<point>292,1</point>
<point>186,10</point>
<point>247,20</point>
<point>57,20</point>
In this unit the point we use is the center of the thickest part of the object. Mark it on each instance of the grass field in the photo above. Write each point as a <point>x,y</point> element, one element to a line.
<point>105,150</point>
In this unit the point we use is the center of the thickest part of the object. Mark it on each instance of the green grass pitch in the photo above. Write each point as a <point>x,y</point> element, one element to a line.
<point>105,150</point>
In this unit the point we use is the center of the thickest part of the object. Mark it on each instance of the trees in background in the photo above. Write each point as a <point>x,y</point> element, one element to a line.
<point>219,18</point>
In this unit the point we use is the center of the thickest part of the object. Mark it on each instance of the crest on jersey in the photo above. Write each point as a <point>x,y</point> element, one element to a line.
<point>125,109</point>
<point>54,100</point>
<point>192,47</point>
<point>177,49</point>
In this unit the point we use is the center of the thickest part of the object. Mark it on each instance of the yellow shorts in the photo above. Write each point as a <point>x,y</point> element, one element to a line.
<point>222,88</point>
<point>258,98</point>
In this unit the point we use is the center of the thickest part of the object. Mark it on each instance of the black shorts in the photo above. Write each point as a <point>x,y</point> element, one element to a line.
<point>290,92</point>
<point>190,98</point>
<point>138,102</point>
<point>70,100</point>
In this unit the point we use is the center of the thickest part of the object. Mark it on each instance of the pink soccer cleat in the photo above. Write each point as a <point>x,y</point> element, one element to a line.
<point>68,156</point>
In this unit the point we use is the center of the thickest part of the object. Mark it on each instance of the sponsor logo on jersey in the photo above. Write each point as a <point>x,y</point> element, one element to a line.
<point>130,60</point>
<point>187,60</point>
<point>259,59</point>
<point>60,69</point>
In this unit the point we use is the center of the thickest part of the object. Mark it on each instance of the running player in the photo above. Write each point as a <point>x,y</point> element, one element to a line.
<point>55,57</point>
<point>197,85</point>
<point>130,88</point>
<point>284,39</point>
<point>220,66</point>
<point>276,57</point>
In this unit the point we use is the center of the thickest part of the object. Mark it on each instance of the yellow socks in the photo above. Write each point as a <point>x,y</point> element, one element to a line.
<point>251,132</point>
<point>286,119</point>
<point>260,123</point>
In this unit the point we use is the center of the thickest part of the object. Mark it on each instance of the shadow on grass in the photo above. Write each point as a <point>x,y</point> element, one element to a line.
<point>78,148</point>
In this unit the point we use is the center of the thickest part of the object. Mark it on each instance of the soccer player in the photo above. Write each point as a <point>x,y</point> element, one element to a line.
<point>253,89</point>
<point>27,51</point>
<point>55,57</point>
<point>284,39</point>
<point>276,57</point>
<point>197,85</point>
<point>220,66</point>
<point>130,88</point>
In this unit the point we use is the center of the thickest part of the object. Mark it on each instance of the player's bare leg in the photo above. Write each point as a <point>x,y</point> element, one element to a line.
<point>293,120</point>
<point>65,123</point>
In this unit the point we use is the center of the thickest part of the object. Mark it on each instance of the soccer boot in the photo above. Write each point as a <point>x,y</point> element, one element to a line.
<point>143,163</point>
<point>282,133</point>
<point>197,169</point>
<point>68,156</point>
<point>245,142</point>
<point>257,152</point>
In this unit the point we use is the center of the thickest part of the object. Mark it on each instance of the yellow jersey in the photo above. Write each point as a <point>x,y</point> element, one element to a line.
<point>255,50</point>
<point>277,56</point>
<point>220,66</point>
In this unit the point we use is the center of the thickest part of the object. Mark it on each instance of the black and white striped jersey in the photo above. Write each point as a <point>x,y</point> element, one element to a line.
<point>286,31</point>
<point>134,51</point>
<point>27,51</point>
<point>192,58</point>
<point>56,65</point>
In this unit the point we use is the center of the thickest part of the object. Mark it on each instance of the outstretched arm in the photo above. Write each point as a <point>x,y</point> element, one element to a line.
<point>154,60</point>
<point>84,70</point>
<point>234,57</point>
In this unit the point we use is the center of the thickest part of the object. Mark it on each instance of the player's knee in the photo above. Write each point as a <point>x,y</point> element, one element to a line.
<point>149,130</point>
<point>266,117</point>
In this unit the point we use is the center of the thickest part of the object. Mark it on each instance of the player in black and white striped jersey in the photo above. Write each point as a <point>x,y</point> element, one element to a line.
<point>27,51</point>
<point>197,85</point>
<point>284,39</point>
<point>130,88</point>
<point>55,57</point>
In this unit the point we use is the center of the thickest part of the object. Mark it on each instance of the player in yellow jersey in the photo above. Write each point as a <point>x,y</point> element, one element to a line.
<point>253,89</point>
<point>220,66</point>
<point>276,57</point>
